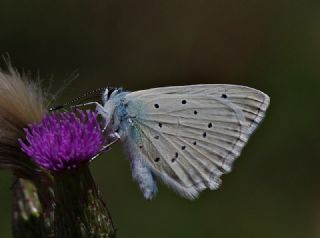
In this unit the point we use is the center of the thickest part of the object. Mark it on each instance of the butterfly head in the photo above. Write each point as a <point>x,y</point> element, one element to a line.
<point>110,92</point>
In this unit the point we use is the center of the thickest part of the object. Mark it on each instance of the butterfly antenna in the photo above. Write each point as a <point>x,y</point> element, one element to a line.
<point>73,76</point>
<point>96,93</point>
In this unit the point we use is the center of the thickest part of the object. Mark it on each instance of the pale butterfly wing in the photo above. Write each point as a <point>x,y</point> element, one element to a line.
<point>253,103</point>
<point>190,135</point>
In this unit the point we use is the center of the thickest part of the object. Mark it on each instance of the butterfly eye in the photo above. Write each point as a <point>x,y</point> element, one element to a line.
<point>156,105</point>
<point>183,101</point>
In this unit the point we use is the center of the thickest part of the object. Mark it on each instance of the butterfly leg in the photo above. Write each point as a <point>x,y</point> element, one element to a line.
<point>107,147</point>
<point>98,105</point>
<point>115,136</point>
<point>100,109</point>
<point>97,155</point>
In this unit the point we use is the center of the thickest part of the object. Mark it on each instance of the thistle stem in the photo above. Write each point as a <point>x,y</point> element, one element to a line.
<point>80,210</point>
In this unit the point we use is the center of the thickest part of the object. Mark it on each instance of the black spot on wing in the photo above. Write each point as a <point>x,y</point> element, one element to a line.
<point>175,157</point>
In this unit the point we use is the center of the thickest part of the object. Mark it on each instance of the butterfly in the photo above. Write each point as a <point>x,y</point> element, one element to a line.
<point>186,136</point>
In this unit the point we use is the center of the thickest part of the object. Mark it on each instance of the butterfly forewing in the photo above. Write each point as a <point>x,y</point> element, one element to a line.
<point>252,102</point>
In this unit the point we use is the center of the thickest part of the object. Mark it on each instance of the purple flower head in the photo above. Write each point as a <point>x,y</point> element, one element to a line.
<point>63,140</point>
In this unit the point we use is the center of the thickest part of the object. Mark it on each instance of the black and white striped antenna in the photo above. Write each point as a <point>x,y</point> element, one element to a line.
<point>96,93</point>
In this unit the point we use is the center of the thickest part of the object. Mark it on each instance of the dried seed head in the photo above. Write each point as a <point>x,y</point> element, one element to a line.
<point>21,102</point>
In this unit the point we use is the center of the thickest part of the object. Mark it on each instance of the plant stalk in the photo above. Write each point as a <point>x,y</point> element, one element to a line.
<point>80,210</point>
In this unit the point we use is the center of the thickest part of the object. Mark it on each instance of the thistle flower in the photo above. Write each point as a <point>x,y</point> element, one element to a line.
<point>63,140</point>
<point>63,143</point>
<point>59,141</point>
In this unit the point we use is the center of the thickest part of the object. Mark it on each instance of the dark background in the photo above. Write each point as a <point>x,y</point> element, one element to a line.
<point>271,45</point>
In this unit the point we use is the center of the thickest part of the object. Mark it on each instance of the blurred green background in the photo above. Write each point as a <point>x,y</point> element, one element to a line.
<point>271,45</point>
